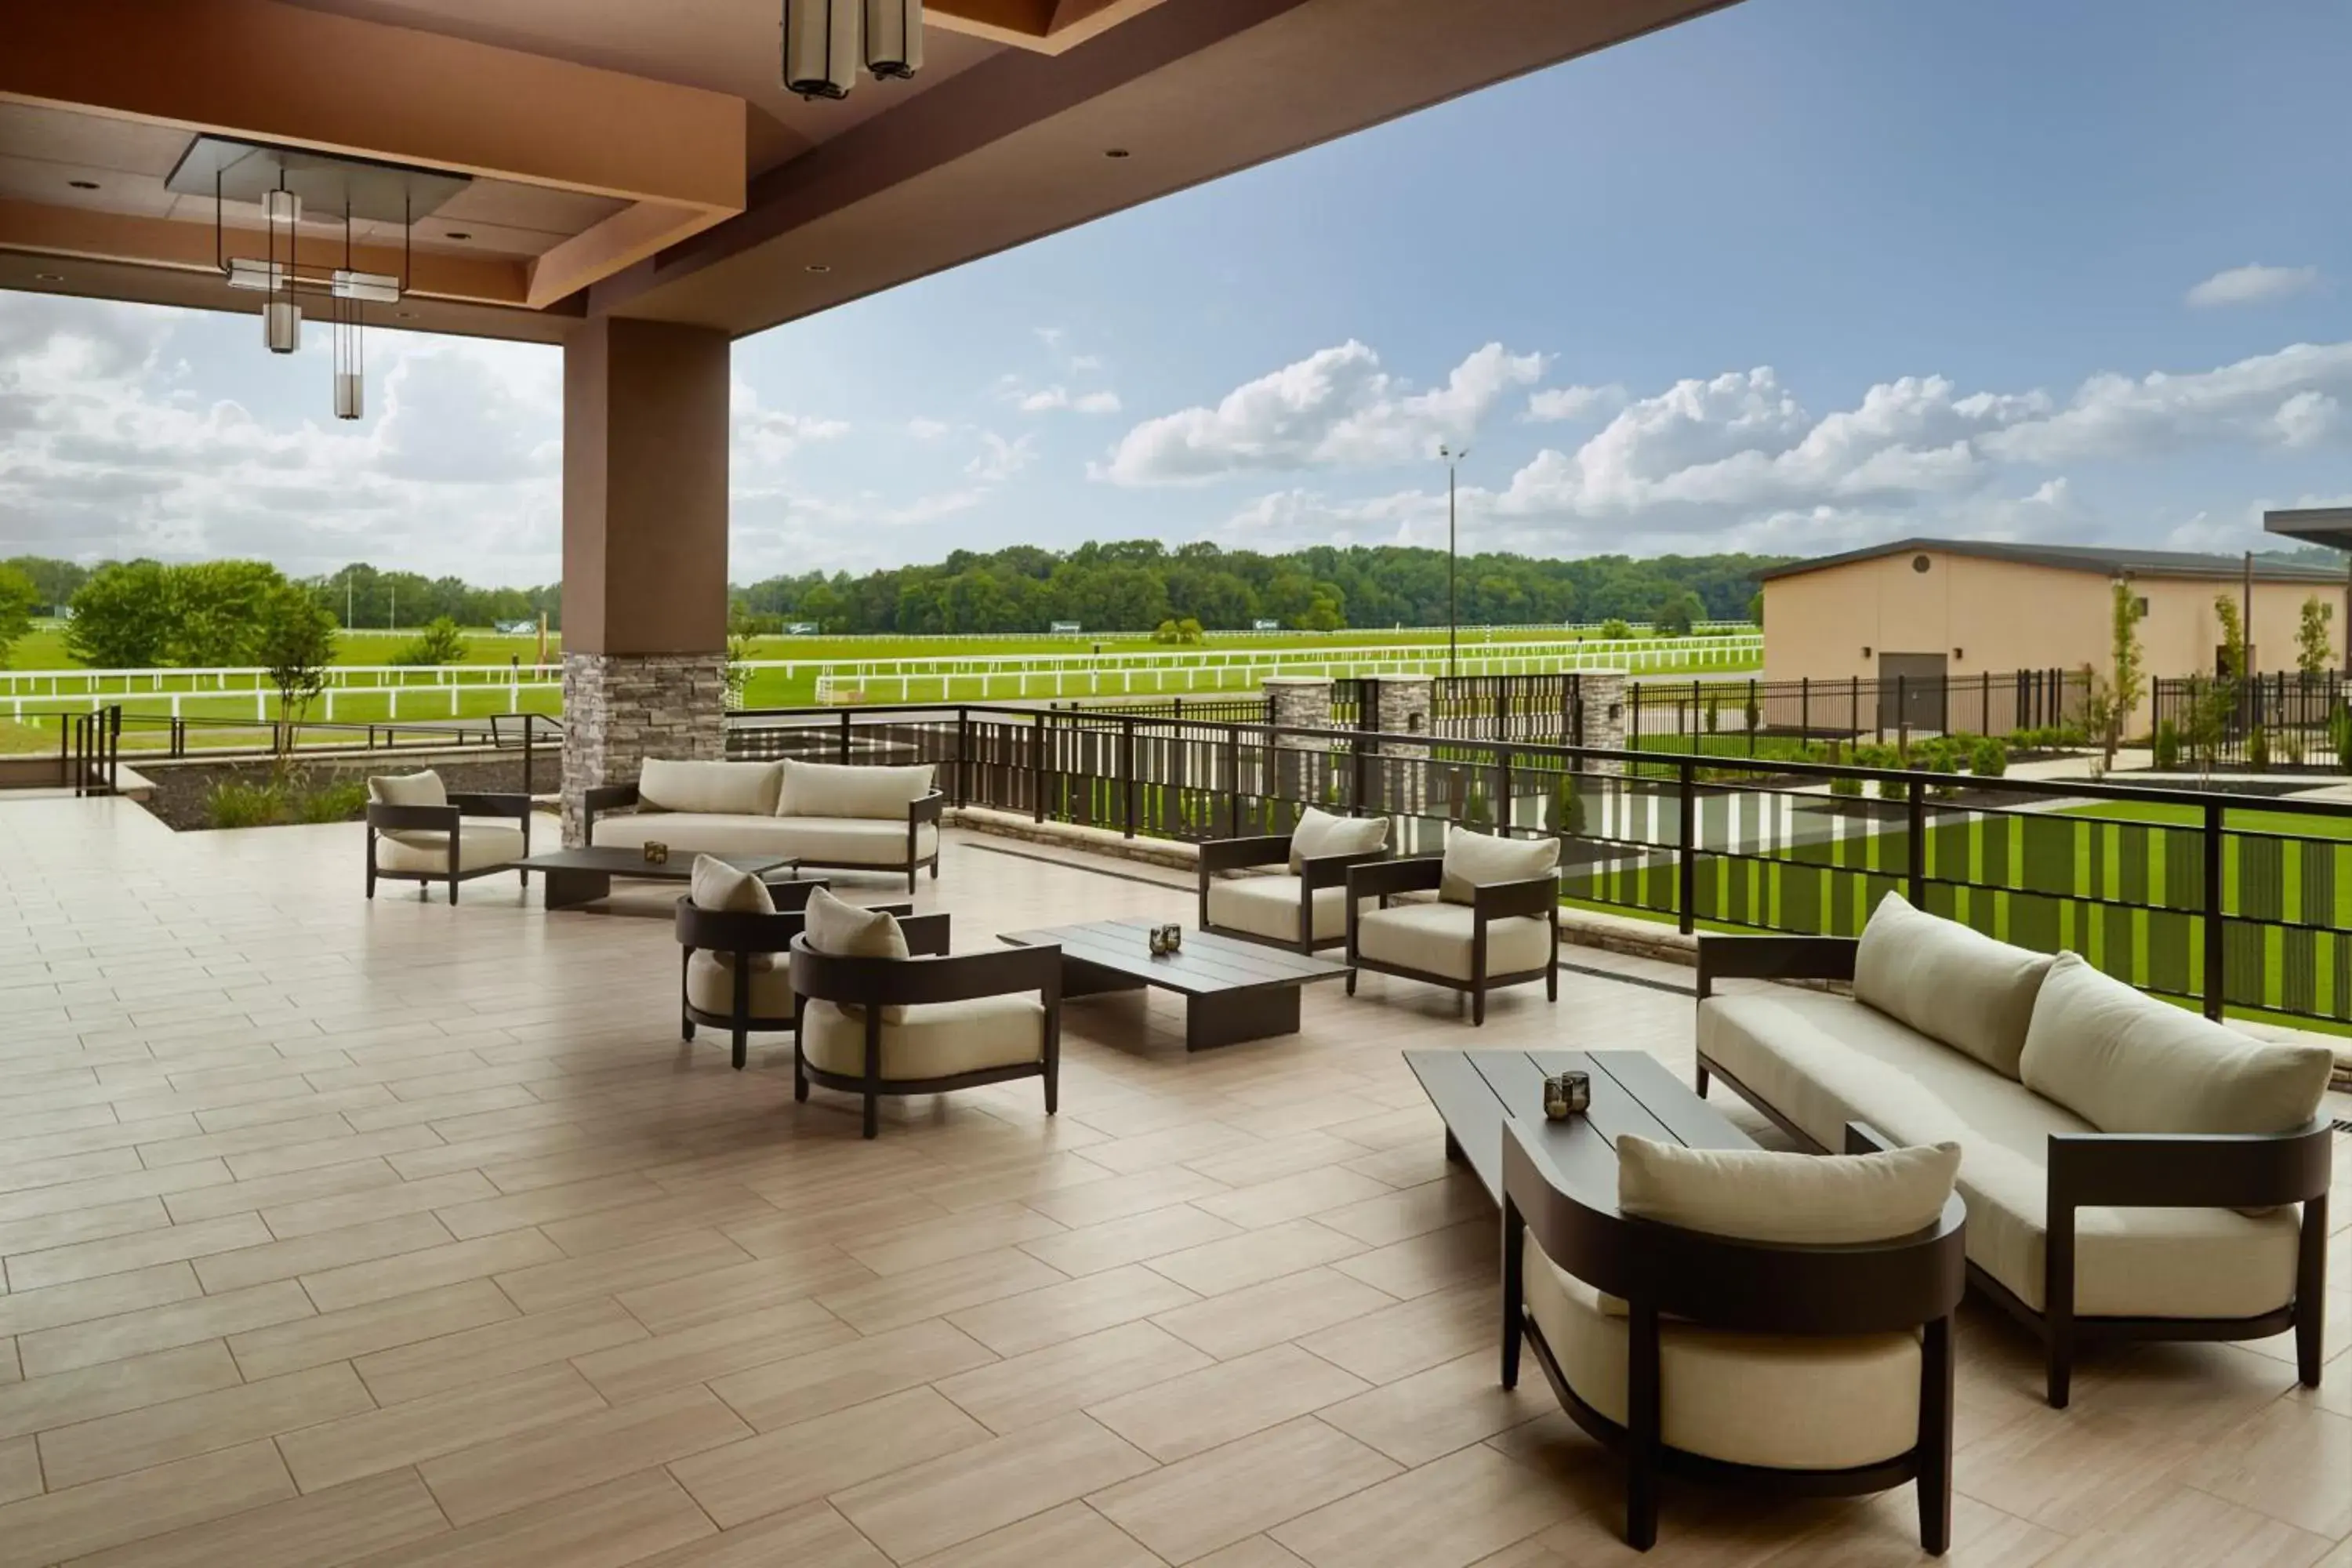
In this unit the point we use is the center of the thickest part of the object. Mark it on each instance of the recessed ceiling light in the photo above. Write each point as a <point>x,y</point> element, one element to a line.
<point>1114,152</point>
<point>48,277</point>
<point>820,267</point>
<point>83,184</point>
<point>459,233</point>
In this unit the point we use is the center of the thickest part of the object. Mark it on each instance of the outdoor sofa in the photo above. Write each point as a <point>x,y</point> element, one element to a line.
<point>814,814</point>
<point>2132,1171</point>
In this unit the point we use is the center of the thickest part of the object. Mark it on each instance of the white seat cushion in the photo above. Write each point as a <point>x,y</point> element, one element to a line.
<point>1321,833</point>
<point>1823,1061</point>
<point>937,1039</point>
<point>481,841</point>
<point>2128,1063</point>
<point>710,983</point>
<point>1787,1401</point>
<point>1949,981</point>
<point>1268,907</point>
<point>829,841</point>
<point>832,789</point>
<point>1474,860</point>
<point>724,789</point>
<point>857,840</point>
<point>1435,939</point>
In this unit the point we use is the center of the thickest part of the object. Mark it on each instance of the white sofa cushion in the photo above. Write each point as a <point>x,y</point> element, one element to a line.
<point>1764,1195</point>
<point>824,841</point>
<point>1268,907</point>
<point>2126,1062</point>
<point>935,1039</point>
<point>1823,1061</point>
<point>1949,981</point>
<point>833,789</point>
<point>744,789</point>
<point>710,983</point>
<point>1474,860</point>
<point>1320,833</point>
<point>841,929</point>
<point>1790,1402</point>
<point>482,841</point>
<point>1435,939</point>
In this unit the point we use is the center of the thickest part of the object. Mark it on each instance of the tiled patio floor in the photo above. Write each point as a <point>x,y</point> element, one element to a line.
<point>399,1234</point>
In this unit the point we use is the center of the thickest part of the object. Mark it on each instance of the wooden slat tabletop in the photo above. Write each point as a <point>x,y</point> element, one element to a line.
<point>1205,964</point>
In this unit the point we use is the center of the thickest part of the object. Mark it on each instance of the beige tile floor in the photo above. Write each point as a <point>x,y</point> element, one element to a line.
<point>398,1234</point>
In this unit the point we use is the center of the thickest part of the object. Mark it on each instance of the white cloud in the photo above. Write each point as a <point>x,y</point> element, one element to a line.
<point>2257,401</point>
<point>923,429</point>
<point>1335,407</point>
<point>1571,403</point>
<point>1000,459</point>
<point>2254,284</point>
<point>1049,398</point>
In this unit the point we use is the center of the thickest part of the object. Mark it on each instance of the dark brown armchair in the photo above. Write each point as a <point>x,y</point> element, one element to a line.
<point>926,1024</point>
<point>1304,911</point>
<point>475,835</point>
<point>734,966</point>
<point>1507,935</point>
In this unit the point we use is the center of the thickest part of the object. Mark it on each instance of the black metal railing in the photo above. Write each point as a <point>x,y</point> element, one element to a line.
<point>91,744</point>
<point>2217,900</point>
<point>2285,721</point>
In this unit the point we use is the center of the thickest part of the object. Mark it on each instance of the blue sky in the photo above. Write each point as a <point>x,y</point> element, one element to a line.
<point>1795,276</point>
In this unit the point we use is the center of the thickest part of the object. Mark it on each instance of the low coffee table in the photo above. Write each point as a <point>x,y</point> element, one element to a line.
<point>1232,990</point>
<point>1477,1092</point>
<point>577,877</point>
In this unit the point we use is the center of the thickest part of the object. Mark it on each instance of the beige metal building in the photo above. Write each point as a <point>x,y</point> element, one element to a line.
<point>1926,608</point>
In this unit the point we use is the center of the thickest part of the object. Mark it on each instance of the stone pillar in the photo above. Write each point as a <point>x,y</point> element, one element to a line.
<point>644,549</point>
<point>1604,714</point>
<point>1300,702</point>
<point>1302,764</point>
<point>1404,706</point>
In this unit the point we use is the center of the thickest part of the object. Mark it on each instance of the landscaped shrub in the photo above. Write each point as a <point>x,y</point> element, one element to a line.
<point>233,803</point>
<point>2167,747</point>
<point>2258,748</point>
<point>1989,758</point>
<point>2339,736</point>
<point>341,802</point>
<point>1614,629</point>
<point>1566,807</point>
<point>438,641</point>
<point>1845,785</point>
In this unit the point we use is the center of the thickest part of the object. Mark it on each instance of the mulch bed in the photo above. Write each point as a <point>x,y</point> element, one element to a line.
<point>183,788</point>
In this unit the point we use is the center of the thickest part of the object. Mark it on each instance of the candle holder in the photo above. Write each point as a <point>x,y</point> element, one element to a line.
<point>1164,940</point>
<point>1566,1094</point>
<point>656,854</point>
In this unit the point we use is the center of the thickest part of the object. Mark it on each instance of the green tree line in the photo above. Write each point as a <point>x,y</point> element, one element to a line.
<point>1134,586</point>
<point>359,596</point>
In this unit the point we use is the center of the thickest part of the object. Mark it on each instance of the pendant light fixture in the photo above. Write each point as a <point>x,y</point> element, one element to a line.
<point>894,38</point>
<point>282,317</point>
<point>349,368</point>
<point>821,39</point>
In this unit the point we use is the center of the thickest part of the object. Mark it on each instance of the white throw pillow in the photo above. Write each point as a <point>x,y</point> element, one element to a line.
<point>1949,981</point>
<point>832,789</point>
<point>715,885</point>
<point>1763,1194</point>
<point>715,789</point>
<point>1475,859</point>
<point>408,789</point>
<point>2126,1062</point>
<point>1320,833</point>
<point>841,929</point>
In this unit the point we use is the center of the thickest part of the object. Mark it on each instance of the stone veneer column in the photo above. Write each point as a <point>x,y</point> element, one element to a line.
<point>1604,714</point>
<point>644,549</point>
<point>620,708</point>
<point>1404,705</point>
<point>1300,702</point>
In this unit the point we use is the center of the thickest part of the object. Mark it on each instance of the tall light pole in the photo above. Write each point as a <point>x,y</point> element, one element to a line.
<point>1452,457</point>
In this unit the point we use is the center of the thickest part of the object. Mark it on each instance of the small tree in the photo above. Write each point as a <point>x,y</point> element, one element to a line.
<point>1615,630</point>
<point>2313,652</point>
<point>294,640</point>
<point>2116,697</point>
<point>436,642</point>
<point>18,599</point>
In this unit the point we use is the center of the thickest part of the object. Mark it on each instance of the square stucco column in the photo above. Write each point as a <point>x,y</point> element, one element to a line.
<point>644,551</point>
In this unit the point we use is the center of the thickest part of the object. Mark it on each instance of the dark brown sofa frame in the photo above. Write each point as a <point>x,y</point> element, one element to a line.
<point>931,975</point>
<point>1274,849</point>
<point>1537,896</point>
<point>1661,1271</point>
<point>609,800</point>
<point>2108,1170</point>
<point>383,818</point>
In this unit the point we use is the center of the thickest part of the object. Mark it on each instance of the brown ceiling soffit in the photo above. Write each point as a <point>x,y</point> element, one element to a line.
<point>968,111</point>
<point>278,73</point>
<point>1045,26</point>
<point>83,232</point>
